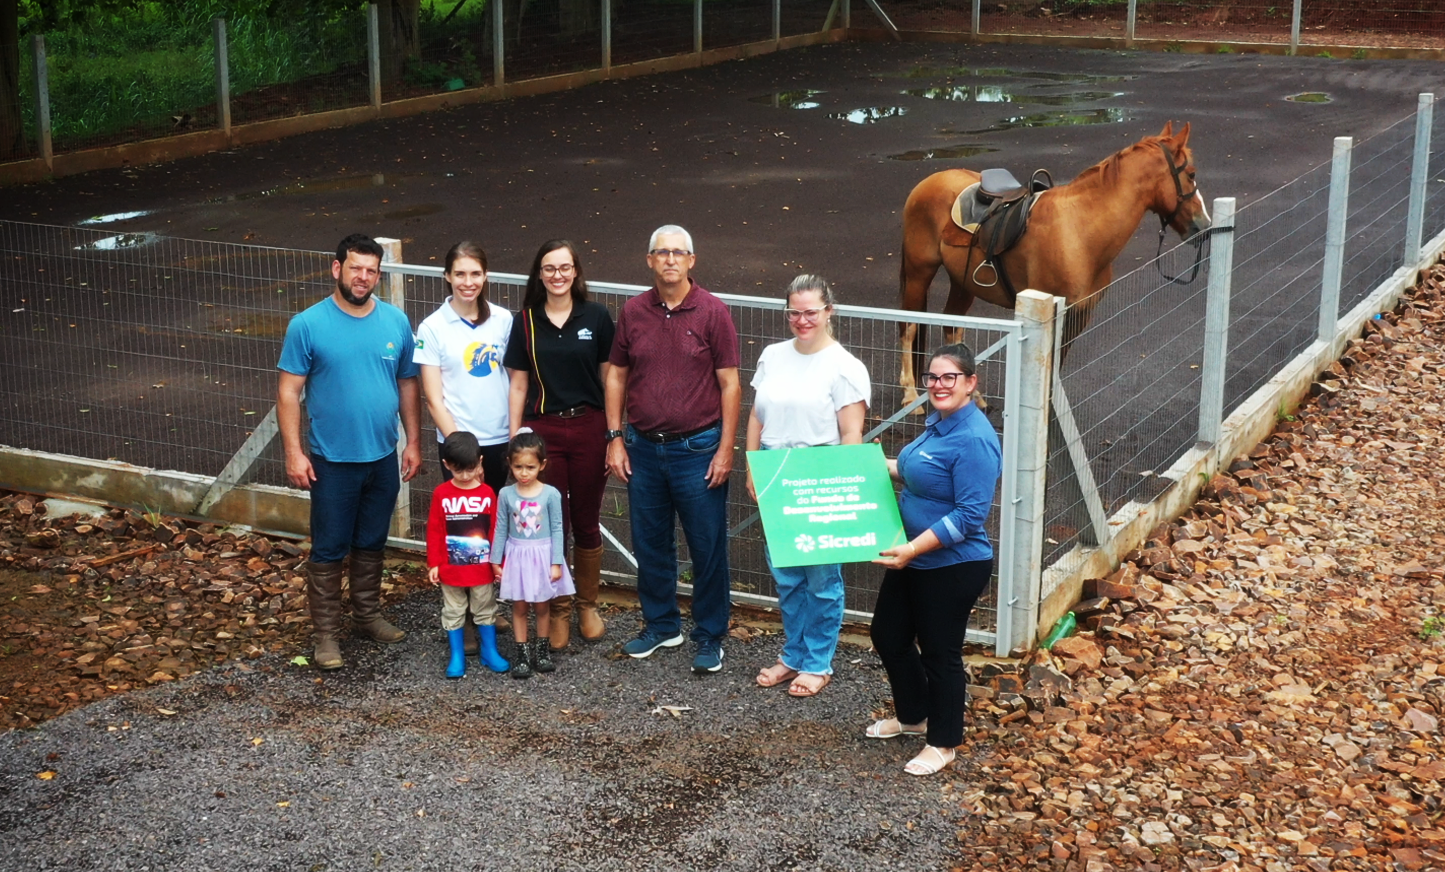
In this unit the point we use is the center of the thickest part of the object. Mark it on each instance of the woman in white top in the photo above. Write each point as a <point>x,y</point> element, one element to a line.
<point>460,348</point>
<point>810,391</point>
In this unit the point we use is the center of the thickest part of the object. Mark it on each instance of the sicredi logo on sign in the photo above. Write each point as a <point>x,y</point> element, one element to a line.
<point>806,543</point>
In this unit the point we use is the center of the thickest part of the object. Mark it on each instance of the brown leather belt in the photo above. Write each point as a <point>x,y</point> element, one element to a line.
<point>661,436</point>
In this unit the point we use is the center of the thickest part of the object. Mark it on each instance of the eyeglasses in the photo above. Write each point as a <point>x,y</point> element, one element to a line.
<point>804,314</point>
<point>664,252</point>
<point>947,379</point>
<point>565,269</point>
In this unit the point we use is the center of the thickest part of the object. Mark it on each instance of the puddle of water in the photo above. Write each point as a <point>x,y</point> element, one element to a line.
<point>951,152</point>
<point>114,217</point>
<point>1310,97</point>
<point>118,242</point>
<point>1051,119</point>
<point>870,114</point>
<point>1001,72</point>
<point>1000,94</point>
<point>789,99</point>
<point>414,211</point>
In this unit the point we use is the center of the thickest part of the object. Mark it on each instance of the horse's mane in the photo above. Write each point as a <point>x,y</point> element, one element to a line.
<point>1108,169</point>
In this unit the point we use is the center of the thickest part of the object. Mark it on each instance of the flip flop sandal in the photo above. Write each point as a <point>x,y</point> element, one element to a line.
<point>765,681</point>
<point>929,761</point>
<point>802,690</point>
<point>890,728</point>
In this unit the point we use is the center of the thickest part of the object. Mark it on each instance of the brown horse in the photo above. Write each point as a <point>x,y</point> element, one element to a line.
<point>1075,231</point>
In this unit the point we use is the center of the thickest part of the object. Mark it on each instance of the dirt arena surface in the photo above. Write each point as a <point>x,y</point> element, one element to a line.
<point>767,191</point>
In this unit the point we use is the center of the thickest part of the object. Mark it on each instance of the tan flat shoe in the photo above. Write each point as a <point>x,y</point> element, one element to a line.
<point>775,675</point>
<point>890,728</point>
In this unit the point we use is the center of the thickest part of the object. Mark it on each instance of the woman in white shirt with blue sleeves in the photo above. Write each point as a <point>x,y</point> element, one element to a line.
<point>810,391</point>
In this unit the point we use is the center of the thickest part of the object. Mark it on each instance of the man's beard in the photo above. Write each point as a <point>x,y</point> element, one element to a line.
<point>349,297</point>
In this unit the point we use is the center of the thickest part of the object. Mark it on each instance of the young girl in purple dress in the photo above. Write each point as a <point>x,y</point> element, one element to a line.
<point>527,550</point>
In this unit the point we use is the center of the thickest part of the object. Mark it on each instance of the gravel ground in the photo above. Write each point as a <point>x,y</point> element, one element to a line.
<point>389,765</point>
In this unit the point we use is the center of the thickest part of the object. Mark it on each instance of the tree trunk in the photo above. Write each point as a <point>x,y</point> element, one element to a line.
<point>12,128</point>
<point>400,36</point>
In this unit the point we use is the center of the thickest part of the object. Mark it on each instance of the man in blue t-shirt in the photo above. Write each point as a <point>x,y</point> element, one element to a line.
<point>352,354</point>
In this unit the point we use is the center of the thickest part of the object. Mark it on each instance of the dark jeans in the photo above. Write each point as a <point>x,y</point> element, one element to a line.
<point>670,480</point>
<point>918,627</point>
<point>494,465</point>
<point>577,466</point>
<point>351,506</point>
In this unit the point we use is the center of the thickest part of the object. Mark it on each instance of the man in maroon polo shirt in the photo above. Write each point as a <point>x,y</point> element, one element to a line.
<point>674,382</point>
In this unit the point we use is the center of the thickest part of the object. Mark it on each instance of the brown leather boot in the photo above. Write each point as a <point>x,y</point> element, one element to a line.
<point>366,598</point>
<point>588,576</point>
<point>561,629</point>
<point>323,596</point>
<point>470,644</point>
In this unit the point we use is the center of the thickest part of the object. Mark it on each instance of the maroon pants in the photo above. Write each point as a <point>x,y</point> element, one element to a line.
<point>577,466</point>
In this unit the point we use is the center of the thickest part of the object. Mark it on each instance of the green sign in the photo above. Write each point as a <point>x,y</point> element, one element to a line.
<point>830,504</point>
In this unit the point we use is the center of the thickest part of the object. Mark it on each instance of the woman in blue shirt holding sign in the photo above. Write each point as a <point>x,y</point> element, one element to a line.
<point>949,475</point>
<point>810,391</point>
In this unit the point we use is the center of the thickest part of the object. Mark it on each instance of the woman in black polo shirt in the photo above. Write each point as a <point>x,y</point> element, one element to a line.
<point>557,355</point>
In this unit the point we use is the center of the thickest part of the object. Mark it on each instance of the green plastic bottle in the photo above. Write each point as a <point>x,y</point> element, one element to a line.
<point>1065,627</point>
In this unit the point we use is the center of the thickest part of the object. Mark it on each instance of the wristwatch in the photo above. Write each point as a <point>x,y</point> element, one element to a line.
<point>614,434</point>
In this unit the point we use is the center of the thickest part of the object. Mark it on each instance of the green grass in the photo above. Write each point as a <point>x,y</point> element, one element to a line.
<point>137,68</point>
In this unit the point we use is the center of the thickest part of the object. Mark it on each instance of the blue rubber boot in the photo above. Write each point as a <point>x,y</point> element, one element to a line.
<point>487,653</point>
<point>457,667</point>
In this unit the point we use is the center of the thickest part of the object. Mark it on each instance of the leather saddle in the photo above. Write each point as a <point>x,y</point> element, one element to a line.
<point>993,214</point>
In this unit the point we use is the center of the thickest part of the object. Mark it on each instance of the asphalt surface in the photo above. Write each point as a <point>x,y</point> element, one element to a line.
<point>766,191</point>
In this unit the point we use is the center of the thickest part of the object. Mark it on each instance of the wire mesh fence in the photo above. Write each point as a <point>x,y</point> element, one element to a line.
<point>1435,179</point>
<point>272,78</point>
<point>1131,380</point>
<point>162,352</point>
<point>1379,209</point>
<point>148,350</point>
<point>1395,23</point>
<point>1279,255</point>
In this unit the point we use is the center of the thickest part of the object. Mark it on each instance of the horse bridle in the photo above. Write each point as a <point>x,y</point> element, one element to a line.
<point>1198,240</point>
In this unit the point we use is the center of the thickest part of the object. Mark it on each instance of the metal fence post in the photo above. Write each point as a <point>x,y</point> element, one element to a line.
<point>1419,178</point>
<point>977,17</point>
<point>697,26</point>
<point>1129,25</point>
<point>777,22</point>
<point>1294,28</point>
<point>499,41</point>
<point>373,53</point>
<point>393,288</point>
<point>606,37</point>
<point>1213,369</point>
<point>1334,265</point>
<point>223,76</point>
<point>847,14</point>
<point>1021,498</point>
<point>42,101</point>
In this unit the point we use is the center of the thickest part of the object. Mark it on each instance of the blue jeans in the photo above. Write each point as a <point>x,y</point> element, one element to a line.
<point>670,479</point>
<point>811,601</point>
<point>351,506</point>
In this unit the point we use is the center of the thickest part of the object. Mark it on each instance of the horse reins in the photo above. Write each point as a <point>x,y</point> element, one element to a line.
<point>1180,198</point>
